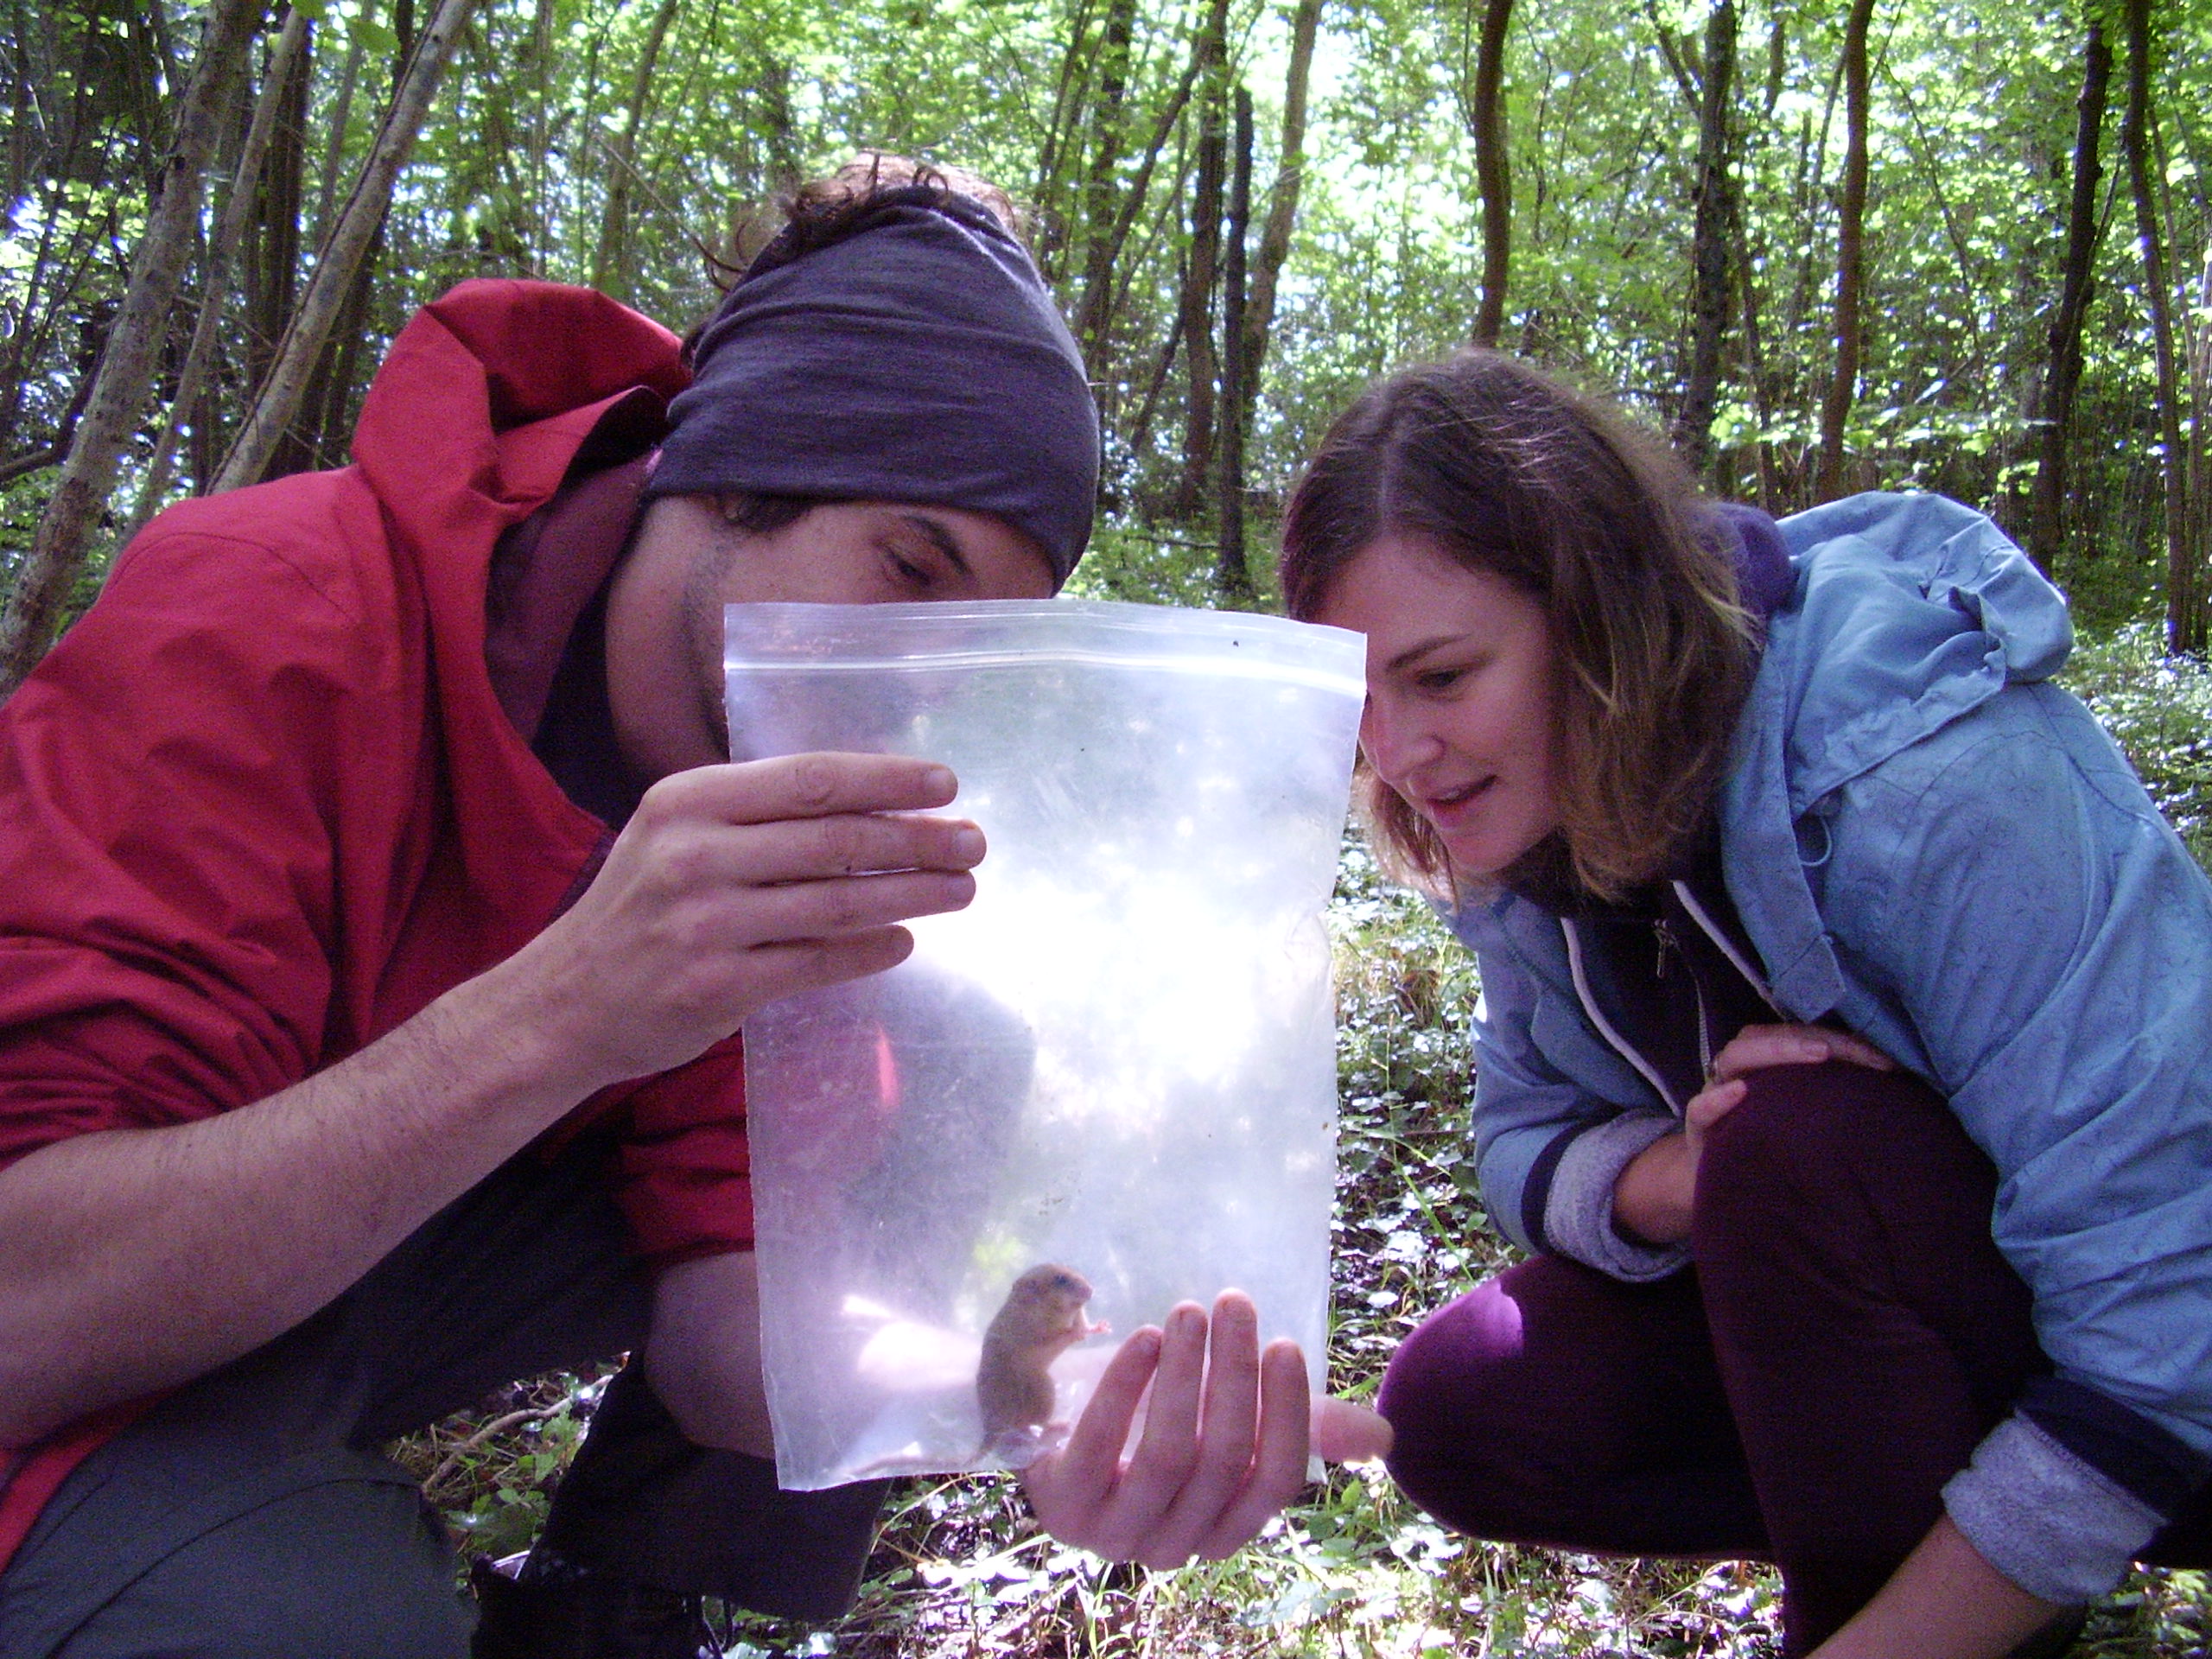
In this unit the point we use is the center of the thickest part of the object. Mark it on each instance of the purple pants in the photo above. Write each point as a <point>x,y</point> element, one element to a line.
<point>1847,1336</point>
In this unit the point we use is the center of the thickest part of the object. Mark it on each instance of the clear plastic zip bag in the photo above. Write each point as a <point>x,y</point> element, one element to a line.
<point>1107,1086</point>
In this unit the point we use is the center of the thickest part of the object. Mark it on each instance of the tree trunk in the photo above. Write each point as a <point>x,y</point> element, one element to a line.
<point>57,554</point>
<point>610,265</point>
<point>334,414</point>
<point>162,55</point>
<point>33,330</point>
<point>1486,116</point>
<point>2063,379</point>
<point>786,160</point>
<point>1203,273</point>
<point>1711,264</point>
<point>341,113</point>
<point>2185,612</point>
<point>45,295</point>
<point>1850,222</point>
<point>2200,450</point>
<point>1282,202</point>
<point>1167,224</point>
<point>1100,305</point>
<point>1232,577</point>
<point>1141,429</point>
<point>1777,60</point>
<point>278,397</point>
<point>537,72</point>
<point>1101,207</point>
<point>284,177</point>
<point>1755,371</point>
<point>1053,153</point>
<point>22,111</point>
<point>145,34</point>
<point>95,330</point>
<point>229,228</point>
<point>272,265</point>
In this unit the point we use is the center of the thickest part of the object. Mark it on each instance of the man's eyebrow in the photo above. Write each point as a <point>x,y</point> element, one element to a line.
<point>940,539</point>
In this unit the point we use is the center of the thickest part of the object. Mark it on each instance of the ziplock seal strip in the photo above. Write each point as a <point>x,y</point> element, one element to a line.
<point>1256,668</point>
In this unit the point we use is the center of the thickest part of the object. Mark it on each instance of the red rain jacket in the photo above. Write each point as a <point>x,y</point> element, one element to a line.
<point>262,804</point>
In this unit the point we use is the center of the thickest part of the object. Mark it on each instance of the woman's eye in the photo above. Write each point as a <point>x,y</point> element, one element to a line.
<point>1439,679</point>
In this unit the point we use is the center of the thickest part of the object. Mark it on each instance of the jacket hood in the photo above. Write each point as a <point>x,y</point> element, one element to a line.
<point>488,393</point>
<point>1909,612</point>
<point>488,399</point>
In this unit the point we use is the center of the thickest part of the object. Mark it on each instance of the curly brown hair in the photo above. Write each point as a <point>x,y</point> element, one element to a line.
<point>825,210</point>
<point>1510,470</point>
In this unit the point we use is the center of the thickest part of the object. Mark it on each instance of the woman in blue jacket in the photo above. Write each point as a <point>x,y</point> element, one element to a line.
<point>1845,1059</point>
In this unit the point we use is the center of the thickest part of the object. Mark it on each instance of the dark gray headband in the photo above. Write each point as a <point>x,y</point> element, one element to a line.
<point>918,359</point>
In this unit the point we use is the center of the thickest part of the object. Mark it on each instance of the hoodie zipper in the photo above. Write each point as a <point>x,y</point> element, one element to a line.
<point>1621,1046</point>
<point>1718,935</point>
<point>1663,932</point>
<point>1667,942</point>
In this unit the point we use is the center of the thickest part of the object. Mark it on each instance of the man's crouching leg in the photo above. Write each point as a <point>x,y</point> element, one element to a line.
<point>645,1522</point>
<point>332,1552</point>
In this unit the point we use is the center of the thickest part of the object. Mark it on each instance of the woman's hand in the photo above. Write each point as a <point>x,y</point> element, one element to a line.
<point>1756,1048</point>
<point>1656,1194</point>
<point>1223,1448</point>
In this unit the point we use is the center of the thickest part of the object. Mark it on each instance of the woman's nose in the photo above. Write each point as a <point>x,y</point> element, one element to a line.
<point>1397,739</point>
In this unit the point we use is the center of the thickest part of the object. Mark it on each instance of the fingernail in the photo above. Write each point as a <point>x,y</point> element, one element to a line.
<point>940,780</point>
<point>967,845</point>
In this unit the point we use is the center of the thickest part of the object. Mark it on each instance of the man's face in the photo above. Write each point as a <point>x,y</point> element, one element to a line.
<point>664,609</point>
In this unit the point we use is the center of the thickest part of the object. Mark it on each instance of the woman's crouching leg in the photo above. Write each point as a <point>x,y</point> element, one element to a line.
<point>1868,1330</point>
<point>1555,1406</point>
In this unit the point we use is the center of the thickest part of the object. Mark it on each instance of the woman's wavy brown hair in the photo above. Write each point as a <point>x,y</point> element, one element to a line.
<point>1512,471</point>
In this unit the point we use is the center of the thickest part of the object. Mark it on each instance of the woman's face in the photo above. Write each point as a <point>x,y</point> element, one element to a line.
<point>1459,717</point>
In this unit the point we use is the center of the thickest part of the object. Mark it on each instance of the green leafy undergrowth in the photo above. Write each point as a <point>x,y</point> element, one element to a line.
<point>2158,708</point>
<point>492,1473</point>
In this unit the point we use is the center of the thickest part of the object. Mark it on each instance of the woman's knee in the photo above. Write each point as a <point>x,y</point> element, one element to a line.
<point>1801,1129</point>
<point>1449,1396</point>
<point>1832,1161</point>
<point>1547,1406</point>
<point>1525,1387</point>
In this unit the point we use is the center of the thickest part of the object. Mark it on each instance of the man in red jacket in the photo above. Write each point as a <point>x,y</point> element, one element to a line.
<point>375,823</point>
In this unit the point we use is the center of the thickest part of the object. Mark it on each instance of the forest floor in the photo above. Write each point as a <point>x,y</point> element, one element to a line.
<point>1355,1572</point>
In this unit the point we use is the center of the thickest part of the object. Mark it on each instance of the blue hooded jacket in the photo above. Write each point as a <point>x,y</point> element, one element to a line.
<point>1926,843</point>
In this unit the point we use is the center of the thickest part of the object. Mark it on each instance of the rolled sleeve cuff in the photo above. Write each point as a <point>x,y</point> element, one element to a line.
<point>1578,1210</point>
<point>2045,1519</point>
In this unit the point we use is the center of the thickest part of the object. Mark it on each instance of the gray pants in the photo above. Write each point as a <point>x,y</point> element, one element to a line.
<point>250,1515</point>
